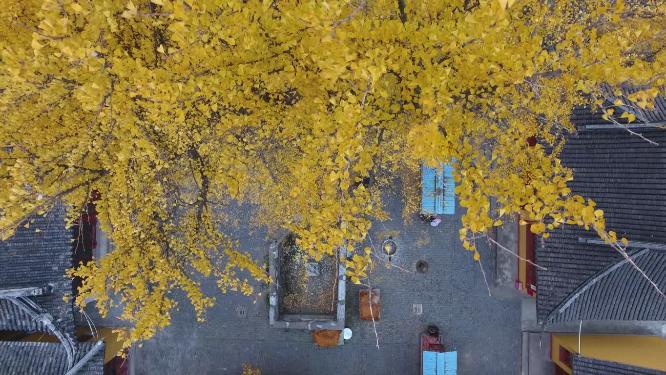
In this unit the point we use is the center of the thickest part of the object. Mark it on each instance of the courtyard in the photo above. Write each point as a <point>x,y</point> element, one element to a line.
<point>452,294</point>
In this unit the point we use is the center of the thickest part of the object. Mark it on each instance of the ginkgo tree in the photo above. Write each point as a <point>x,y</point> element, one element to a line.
<point>173,110</point>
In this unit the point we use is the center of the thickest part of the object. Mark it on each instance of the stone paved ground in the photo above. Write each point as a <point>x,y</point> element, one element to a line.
<point>484,330</point>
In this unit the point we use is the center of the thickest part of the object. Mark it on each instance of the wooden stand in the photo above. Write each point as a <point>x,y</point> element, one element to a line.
<point>366,299</point>
<point>326,338</point>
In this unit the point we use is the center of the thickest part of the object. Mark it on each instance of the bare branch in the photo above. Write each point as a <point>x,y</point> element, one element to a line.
<point>401,8</point>
<point>484,277</point>
<point>631,261</point>
<point>38,32</point>
<point>626,108</point>
<point>514,254</point>
<point>351,15</point>
<point>372,314</point>
<point>639,135</point>
<point>367,90</point>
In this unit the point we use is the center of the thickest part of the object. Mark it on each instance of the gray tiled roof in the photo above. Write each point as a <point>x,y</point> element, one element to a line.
<point>46,358</point>
<point>38,258</point>
<point>589,366</point>
<point>619,293</point>
<point>568,264</point>
<point>626,176</point>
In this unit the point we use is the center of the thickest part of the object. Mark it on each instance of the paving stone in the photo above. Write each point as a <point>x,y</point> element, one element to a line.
<point>485,330</point>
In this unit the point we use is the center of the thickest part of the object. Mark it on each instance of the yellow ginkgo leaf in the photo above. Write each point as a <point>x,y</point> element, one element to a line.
<point>504,4</point>
<point>36,46</point>
<point>312,117</point>
<point>76,7</point>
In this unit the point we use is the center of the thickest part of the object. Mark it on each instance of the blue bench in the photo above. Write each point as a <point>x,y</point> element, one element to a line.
<point>435,363</point>
<point>438,190</point>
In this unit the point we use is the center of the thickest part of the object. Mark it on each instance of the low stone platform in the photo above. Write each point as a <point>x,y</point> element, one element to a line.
<point>305,293</point>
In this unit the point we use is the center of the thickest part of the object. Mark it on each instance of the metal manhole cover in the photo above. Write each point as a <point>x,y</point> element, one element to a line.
<point>422,266</point>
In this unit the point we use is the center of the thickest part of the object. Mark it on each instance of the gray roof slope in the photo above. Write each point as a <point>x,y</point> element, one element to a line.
<point>568,264</point>
<point>588,366</point>
<point>31,258</point>
<point>626,176</point>
<point>619,292</point>
<point>46,358</point>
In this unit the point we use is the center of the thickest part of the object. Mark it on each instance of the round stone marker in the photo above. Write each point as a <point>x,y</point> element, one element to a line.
<point>347,333</point>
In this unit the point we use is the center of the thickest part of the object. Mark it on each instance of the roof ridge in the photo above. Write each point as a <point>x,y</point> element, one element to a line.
<point>631,244</point>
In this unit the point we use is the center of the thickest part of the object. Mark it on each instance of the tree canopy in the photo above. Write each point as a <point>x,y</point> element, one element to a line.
<point>173,110</point>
